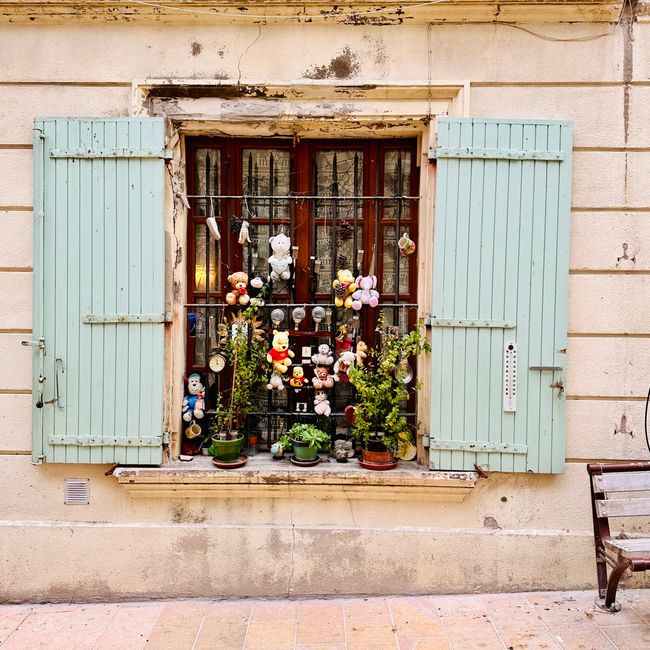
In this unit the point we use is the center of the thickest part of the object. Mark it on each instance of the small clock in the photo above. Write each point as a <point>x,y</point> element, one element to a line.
<point>217,362</point>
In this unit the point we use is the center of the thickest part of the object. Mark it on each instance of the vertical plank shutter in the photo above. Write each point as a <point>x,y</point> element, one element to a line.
<point>98,290</point>
<point>499,320</point>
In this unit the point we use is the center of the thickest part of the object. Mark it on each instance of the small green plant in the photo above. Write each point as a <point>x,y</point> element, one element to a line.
<point>245,353</point>
<point>306,433</point>
<point>380,395</point>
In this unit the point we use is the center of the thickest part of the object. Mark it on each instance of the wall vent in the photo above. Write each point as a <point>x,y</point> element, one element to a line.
<point>76,491</point>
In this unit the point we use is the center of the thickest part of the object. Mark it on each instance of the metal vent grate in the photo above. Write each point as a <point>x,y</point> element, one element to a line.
<point>76,491</point>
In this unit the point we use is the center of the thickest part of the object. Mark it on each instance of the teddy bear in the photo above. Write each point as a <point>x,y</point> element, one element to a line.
<point>344,287</point>
<point>275,382</point>
<point>298,379</point>
<point>322,404</point>
<point>238,292</point>
<point>256,291</point>
<point>280,260</point>
<point>322,378</point>
<point>366,293</point>
<point>342,365</point>
<point>361,352</point>
<point>194,403</point>
<point>323,357</point>
<point>279,354</point>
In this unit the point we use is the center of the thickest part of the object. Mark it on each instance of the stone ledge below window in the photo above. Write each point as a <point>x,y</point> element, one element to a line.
<point>263,477</point>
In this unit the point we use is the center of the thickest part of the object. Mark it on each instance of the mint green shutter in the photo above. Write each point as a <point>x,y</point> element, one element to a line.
<point>98,290</point>
<point>501,256</point>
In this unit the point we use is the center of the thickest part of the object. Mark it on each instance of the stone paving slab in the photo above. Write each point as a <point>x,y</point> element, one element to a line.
<point>540,620</point>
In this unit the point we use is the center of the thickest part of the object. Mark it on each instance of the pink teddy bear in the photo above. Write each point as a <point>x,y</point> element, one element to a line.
<point>366,293</point>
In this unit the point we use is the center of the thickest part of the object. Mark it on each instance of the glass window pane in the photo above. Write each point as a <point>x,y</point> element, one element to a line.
<point>390,257</point>
<point>200,261</point>
<point>397,182</point>
<point>345,253</point>
<point>208,176</point>
<point>339,173</point>
<point>266,172</point>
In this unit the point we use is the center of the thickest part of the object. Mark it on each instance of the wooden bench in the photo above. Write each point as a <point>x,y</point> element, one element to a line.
<point>608,482</point>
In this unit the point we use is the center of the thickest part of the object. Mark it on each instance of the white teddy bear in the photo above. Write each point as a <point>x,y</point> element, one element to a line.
<point>280,260</point>
<point>344,362</point>
<point>275,382</point>
<point>324,356</point>
<point>322,404</point>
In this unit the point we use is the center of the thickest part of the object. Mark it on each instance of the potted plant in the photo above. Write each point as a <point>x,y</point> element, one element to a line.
<point>381,385</point>
<point>307,441</point>
<point>242,341</point>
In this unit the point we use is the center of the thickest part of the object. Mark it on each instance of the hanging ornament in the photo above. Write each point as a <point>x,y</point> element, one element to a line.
<point>211,223</point>
<point>298,315</point>
<point>244,237</point>
<point>277,316</point>
<point>318,314</point>
<point>403,371</point>
<point>406,245</point>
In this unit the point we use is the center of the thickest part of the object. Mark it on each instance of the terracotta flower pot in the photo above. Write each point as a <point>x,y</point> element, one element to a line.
<point>375,452</point>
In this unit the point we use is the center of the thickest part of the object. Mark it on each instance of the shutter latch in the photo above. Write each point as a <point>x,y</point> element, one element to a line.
<point>40,343</point>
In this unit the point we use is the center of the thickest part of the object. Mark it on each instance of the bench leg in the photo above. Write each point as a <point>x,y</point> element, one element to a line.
<point>607,596</point>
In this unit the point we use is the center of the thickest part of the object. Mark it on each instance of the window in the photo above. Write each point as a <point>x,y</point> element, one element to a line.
<point>344,204</point>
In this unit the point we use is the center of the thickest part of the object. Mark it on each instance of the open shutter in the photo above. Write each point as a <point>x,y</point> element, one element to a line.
<point>499,320</point>
<point>98,290</point>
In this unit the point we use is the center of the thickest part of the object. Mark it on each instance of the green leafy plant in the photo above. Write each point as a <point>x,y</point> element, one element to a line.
<point>306,433</point>
<point>380,395</point>
<point>245,352</point>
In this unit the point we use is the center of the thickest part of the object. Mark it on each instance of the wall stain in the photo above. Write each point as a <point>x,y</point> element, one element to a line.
<point>342,66</point>
<point>183,515</point>
<point>196,48</point>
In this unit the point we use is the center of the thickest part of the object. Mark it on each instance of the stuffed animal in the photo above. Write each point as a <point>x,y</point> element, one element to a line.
<point>344,287</point>
<point>343,449</point>
<point>366,293</point>
<point>323,357</point>
<point>361,352</point>
<point>244,237</point>
<point>342,365</point>
<point>279,354</point>
<point>298,379</point>
<point>343,338</point>
<point>280,260</point>
<point>322,378</point>
<point>322,404</point>
<point>194,403</point>
<point>256,290</point>
<point>238,292</point>
<point>275,382</point>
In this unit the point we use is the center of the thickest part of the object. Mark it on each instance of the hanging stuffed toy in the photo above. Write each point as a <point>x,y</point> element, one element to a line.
<point>244,237</point>
<point>280,260</point>
<point>322,378</point>
<point>211,222</point>
<point>361,352</point>
<point>256,291</point>
<point>323,357</point>
<point>298,379</point>
<point>322,404</point>
<point>342,365</point>
<point>279,354</point>
<point>343,338</point>
<point>366,293</point>
<point>238,292</point>
<point>275,382</point>
<point>344,287</point>
<point>194,403</point>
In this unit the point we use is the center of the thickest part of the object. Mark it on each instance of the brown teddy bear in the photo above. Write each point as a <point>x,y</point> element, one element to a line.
<point>238,292</point>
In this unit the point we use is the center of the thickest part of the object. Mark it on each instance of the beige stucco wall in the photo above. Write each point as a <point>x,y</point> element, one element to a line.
<point>124,546</point>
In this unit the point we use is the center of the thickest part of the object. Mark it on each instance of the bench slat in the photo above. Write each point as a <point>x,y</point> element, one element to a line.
<point>623,482</point>
<point>629,548</point>
<point>630,507</point>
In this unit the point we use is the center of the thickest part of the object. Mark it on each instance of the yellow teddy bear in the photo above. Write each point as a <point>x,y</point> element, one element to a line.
<point>279,353</point>
<point>344,287</point>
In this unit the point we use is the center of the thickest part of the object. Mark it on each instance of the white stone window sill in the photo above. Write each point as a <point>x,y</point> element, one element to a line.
<point>264,477</point>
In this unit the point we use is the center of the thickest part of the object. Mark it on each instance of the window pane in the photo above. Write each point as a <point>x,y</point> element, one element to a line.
<point>391,254</point>
<point>339,173</point>
<point>397,182</point>
<point>324,252</point>
<point>200,264</point>
<point>208,177</point>
<point>265,172</point>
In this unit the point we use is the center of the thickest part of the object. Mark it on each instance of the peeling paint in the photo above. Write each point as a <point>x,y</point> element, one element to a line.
<point>342,66</point>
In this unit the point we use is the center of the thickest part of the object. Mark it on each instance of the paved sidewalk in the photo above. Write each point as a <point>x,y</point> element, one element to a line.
<point>534,620</point>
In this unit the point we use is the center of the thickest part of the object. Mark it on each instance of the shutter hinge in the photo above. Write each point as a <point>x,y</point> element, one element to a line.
<point>40,343</point>
<point>39,461</point>
<point>166,438</point>
<point>425,441</point>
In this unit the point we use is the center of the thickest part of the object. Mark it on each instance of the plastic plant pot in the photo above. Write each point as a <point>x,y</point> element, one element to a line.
<point>226,450</point>
<point>303,451</point>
